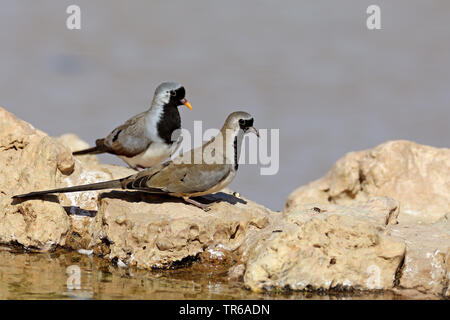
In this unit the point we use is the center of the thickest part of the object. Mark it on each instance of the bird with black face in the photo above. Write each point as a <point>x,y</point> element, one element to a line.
<point>147,138</point>
<point>185,180</point>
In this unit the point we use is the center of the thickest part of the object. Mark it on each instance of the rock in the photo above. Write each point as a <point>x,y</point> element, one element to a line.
<point>326,247</point>
<point>86,226</point>
<point>30,160</point>
<point>150,232</point>
<point>34,225</point>
<point>416,175</point>
<point>74,143</point>
<point>426,265</point>
<point>236,273</point>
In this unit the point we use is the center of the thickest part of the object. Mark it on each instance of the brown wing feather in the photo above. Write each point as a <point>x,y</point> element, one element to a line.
<point>170,177</point>
<point>180,178</point>
<point>129,139</point>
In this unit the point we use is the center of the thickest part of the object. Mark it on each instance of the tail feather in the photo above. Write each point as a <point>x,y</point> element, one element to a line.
<point>93,150</point>
<point>99,148</point>
<point>112,184</point>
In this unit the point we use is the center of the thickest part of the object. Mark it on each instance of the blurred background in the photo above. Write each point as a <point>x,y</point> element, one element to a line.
<point>310,68</point>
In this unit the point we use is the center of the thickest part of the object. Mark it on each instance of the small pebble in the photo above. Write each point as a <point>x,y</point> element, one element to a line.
<point>120,219</point>
<point>86,252</point>
<point>121,264</point>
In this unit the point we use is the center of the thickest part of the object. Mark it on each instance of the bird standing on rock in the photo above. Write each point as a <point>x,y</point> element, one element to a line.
<point>185,180</point>
<point>146,139</point>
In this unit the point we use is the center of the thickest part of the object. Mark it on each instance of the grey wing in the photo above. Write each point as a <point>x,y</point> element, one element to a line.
<point>183,178</point>
<point>129,139</point>
<point>200,178</point>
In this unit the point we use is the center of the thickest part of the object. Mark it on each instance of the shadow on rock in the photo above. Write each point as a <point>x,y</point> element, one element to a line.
<point>50,198</point>
<point>137,196</point>
<point>77,211</point>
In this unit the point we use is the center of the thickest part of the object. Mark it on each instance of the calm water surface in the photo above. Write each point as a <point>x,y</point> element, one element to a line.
<point>70,275</point>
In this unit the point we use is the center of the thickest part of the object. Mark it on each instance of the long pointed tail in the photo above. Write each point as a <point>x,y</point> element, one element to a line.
<point>93,150</point>
<point>112,184</point>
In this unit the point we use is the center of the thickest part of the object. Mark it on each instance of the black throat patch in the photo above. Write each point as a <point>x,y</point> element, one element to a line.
<point>235,144</point>
<point>169,122</point>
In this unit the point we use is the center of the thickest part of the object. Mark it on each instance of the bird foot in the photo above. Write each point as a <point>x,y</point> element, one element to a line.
<point>204,207</point>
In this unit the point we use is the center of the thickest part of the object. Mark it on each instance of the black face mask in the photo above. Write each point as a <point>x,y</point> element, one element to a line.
<point>245,124</point>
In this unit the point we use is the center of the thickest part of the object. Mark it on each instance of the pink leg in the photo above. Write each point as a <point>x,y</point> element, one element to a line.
<point>205,207</point>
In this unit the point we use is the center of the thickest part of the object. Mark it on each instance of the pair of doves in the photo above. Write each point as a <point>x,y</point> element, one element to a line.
<point>145,140</point>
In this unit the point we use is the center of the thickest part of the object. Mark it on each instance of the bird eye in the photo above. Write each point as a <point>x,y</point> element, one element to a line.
<point>173,93</point>
<point>241,121</point>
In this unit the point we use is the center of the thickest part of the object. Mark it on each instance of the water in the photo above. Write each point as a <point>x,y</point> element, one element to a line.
<point>70,275</point>
<point>309,68</point>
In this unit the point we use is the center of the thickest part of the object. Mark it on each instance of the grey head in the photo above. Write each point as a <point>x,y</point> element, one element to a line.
<point>240,120</point>
<point>236,126</point>
<point>170,94</point>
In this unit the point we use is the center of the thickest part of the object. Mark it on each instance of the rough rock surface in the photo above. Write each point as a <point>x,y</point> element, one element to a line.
<point>415,175</point>
<point>31,160</point>
<point>426,267</point>
<point>157,234</point>
<point>327,247</point>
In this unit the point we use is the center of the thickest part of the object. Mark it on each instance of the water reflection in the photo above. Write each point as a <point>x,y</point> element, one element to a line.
<point>70,275</point>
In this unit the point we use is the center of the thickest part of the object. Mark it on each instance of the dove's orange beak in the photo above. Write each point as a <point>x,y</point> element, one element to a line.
<point>186,103</point>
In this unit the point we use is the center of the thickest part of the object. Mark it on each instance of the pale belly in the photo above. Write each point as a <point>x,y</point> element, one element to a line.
<point>155,154</point>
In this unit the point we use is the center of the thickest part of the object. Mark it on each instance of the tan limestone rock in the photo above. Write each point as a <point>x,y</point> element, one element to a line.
<point>326,247</point>
<point>415,175</point>
<point>30,160</point>
<point>426,265</point>
<point>153,231</point>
